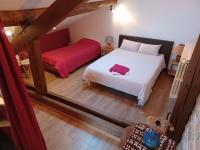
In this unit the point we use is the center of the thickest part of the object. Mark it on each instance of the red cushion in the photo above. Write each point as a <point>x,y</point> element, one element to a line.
<point>54,40</point>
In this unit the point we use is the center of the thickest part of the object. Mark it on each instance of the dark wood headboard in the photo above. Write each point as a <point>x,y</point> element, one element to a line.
<point>165,49</point>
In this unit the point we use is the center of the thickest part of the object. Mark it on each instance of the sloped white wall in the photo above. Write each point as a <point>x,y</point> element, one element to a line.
<point>191,136</point>
<point>175,20</point>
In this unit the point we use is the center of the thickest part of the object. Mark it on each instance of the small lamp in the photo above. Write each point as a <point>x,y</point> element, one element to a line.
<point>109,42</point>
<point>178,50</point>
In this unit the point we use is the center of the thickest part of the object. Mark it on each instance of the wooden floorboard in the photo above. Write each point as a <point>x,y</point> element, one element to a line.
<point>106,125</point>
<point>109,102</point>
<point>65,132</point>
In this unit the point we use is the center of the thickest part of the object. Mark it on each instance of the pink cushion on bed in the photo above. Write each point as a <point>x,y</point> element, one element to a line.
<point>119,69</point>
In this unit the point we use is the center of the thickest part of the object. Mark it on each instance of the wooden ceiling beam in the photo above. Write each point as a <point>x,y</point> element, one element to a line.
<point>25,17</point>
<point>20,17</point>
<point>88,7</point>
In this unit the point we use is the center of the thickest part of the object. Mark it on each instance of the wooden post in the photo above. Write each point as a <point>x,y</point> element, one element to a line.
<point>37,68</point>
<point>187,97</point>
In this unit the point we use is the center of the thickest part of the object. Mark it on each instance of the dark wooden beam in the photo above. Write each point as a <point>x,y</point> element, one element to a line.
<point>20,17</point>
<point>92,6</point>
<point>25,17</point>
<point>186,84</point>
<point>190,89</point>
<point>190,101</point>
<point>37,68</point>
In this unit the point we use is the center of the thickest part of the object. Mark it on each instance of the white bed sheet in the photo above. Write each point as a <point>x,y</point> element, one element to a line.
<point>144,70</point>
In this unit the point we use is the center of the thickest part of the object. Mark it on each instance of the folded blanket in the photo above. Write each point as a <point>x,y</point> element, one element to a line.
<point>119,69</point>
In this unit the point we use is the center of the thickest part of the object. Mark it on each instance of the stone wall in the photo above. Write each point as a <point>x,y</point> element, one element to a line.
<point>191,135</point>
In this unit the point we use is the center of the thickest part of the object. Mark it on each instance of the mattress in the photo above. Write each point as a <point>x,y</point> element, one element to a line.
<point>143,73</point>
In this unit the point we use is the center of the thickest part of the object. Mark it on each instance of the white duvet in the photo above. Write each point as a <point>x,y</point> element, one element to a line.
<point>144,70</point>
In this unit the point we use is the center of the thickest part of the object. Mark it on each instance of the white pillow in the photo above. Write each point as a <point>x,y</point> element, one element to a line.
<point>130,45</point>
<point>149,49</point>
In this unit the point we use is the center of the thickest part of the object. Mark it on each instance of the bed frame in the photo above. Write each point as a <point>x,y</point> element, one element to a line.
<point>165,49</point>
<point>50,68</point>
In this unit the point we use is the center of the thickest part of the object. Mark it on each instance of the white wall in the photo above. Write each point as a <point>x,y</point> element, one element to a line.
<point>176,20</point>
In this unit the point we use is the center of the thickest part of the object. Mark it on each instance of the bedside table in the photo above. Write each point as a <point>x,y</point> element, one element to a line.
<point>105,50</point>
<point>172,62</point>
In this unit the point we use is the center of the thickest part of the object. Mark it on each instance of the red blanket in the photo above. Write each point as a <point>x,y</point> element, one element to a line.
<point>68,59</point>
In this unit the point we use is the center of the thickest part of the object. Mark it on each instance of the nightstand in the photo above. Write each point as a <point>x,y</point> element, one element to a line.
<point>172,63</point>
<point>105,50</point>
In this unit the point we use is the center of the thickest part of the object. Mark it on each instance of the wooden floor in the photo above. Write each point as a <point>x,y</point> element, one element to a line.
<point>64,132</point>
<point>110,102</point>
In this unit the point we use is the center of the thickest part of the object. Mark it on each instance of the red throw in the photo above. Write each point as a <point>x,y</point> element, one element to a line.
<point>69,58</point>
<point>119,69</point>
<point>25,129</point>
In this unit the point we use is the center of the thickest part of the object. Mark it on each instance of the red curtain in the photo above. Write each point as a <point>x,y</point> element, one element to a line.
<point>25,129</point>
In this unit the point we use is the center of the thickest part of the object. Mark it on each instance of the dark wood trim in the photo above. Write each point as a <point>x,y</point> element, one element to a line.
<point>186,100</point>
<point>37,68</point>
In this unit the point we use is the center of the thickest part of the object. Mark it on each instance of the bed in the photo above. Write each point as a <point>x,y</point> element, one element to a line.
<point>143,73</point>
<point>67,59</point>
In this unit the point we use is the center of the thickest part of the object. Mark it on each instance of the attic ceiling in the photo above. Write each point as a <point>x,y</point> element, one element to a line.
<point>26,4</point>
<point>33,4</point>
